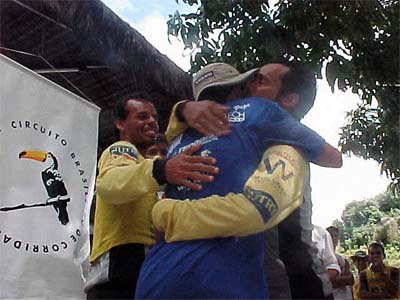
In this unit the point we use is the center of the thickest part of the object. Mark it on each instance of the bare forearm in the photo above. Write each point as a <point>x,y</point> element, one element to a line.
<point>330,157</point>
<point>343,281</point>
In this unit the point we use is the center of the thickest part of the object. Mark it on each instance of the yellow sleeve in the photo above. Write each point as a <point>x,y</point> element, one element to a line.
<point>174,126</point>
<point>273,191</point>
<point>124,175</point>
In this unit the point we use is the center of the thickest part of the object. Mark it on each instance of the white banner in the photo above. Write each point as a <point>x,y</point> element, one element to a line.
<point>48,150</point>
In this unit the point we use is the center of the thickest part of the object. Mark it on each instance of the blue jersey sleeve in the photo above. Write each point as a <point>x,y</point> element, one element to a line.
<point>274,125</point>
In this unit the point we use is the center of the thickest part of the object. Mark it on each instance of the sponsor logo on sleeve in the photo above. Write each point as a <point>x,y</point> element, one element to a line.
<point>263,201</point>
<point>123,150</point>
<point>278,165</point>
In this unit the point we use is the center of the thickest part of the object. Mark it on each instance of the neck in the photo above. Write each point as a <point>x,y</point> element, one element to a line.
<point>377,267</point>
<point>142,150</point>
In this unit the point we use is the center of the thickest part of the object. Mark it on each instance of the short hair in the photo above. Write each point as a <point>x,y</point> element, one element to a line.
<point>300,80</point>
<point>121,110</point>
<point>332,228</point>
<point>377,244</point>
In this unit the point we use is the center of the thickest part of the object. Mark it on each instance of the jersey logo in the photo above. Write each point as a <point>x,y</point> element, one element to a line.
<point>123,150</point>
<point>280,163</point>
<point>263,202</point>
<point>238,114</point>
<point>204,140</point>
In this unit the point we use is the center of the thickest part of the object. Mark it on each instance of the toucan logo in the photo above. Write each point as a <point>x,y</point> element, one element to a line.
<point>53,184</point>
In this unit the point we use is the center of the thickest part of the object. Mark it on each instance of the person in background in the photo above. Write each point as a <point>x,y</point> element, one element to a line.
<point>379,281</point>
<point>126,189</point>
<point>342,284</point>
<point>326,253</point>
<point>158,148</point>
<point>360,260</point>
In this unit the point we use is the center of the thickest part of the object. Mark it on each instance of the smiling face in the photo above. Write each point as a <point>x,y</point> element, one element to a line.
<point>375,255</point>
<point>140,126</point>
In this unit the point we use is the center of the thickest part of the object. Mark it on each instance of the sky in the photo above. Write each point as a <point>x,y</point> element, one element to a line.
<point>332,189</point>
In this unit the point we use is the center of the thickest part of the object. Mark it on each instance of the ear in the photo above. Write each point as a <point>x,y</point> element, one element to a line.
<point>119,124</point>
<point>289,101</point>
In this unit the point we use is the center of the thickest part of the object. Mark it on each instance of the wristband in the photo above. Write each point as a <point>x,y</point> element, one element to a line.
<point>159,171</point>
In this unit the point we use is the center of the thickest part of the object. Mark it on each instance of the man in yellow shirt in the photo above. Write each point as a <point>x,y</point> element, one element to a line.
<point>379,281</point>
<point>126,189</point>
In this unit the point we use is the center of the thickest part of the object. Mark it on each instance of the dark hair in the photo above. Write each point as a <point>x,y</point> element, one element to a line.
<point>300,80</point>
<point>121,111</point>
<point>332,228</point>
<point>377,244</point>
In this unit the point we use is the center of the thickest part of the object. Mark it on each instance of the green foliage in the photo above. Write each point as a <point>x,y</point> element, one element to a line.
<point>377,218</point>
<point>354,41</point>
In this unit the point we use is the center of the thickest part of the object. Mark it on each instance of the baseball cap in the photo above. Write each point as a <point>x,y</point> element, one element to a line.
<point>218,74</point>
<point>359,254</point>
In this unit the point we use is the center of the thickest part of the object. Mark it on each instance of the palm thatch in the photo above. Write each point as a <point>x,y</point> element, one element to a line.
<point>102,57</point>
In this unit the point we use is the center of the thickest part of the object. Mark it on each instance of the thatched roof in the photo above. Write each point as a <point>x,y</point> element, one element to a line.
<point>99,53</point>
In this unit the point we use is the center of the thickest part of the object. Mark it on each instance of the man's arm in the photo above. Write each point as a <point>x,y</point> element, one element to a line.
<point>209,118</point>
<point>346,278</point>
<point>330,157</point>
<point>329,258</point>
<point>124,176</point>
<point>268,198</point>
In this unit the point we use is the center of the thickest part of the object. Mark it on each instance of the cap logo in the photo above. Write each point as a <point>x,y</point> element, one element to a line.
<point>204,77</point>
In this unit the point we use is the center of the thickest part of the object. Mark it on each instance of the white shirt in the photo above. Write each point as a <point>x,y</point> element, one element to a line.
<point>324,245</point>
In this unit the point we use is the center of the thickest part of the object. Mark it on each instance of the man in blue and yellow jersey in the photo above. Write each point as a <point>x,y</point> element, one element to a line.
<point>126,189</point>
<point>230,267</point>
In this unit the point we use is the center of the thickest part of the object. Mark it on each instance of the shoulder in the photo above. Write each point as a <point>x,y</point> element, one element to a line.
<point>287,157</point>
<point>124,148</point>
<point>121,148</point>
